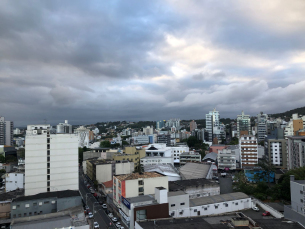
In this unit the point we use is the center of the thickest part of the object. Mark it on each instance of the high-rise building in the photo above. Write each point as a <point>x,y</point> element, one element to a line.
<point>6,132</point>
<point>243,124</point>
<point>262,126</point>
<point>296,151</point>
<point>173,123</point>
<point>248,150</point>
<point>64,128</point>
<point>148,130</point>
<point>160,124</point>
<point>83,136</point>
<point>51,160</point>
<point>213,127</point>
<point>193,125</point>
<point>276,152</point>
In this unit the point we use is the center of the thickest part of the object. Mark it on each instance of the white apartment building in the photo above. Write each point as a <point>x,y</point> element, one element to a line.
<point>14,181</point>
<point>51,160</point>
<point>135,184</point>
<point>149,130</point>
<point>158,154</point>
<point>212,121</point>
<point>226,159</point>
<point>140,140</point>
<point>83,136</point>
<point>177,151</point>
<point>248,150</point>
<point>17,131</point>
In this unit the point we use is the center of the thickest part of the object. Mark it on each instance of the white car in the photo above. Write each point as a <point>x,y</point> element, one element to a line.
<point>118,225</point>
<point>104,206</point>
<point>255,209</point>
<point>110,215</point>
<point>114,219</point>
<point>96,225</point>
<point>90,215</point>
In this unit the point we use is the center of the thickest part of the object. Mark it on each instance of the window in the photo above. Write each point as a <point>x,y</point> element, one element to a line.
<point>195,210</point>
<point>14,207</point>
<point>24,214</point>
<point>14,216</point>
<point>182,203</point>
<point>205,209</point>
<point>27,205</point>
<point>301,192</point>
<point>216,207</point>
<point>19,215</point>
<point>236,203</point>
<point>301,200</point>
<point>18,206</point>
<point>141,189</point>
<point>141,214</point>
<point>173,205</point>
<point>46,202</point>
<point>40,203</point>
<point>30,213</point>
<point>34,204</point>
<point>226,205</point>
<point>53,201</point>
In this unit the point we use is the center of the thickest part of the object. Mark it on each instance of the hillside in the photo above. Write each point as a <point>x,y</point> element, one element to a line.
<point>288,114</point>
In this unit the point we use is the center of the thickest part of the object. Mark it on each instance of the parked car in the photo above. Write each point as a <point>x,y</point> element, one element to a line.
<point>114,219</point>
<point>90,215</point>
<point>87,208</point>
<point>118,225</point>
<point>96,225</point>
<point>255,209</point>
<point>104,206</point>
<point>266,213</point>
<point>110,215</point>
<point>107,211</point>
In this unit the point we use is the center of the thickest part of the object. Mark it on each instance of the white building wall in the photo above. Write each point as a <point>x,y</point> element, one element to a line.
<point>157,160</point>
<point>151,183</point>
<point>14,181</point>
<point>103,173</point>
<point>63,163</point>
<point>132,188</point>
<point>124,168</point>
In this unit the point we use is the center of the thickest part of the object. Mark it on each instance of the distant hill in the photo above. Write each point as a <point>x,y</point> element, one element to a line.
<point>288,114</point>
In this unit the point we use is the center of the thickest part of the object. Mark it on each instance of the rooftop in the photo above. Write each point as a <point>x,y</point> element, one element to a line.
<point>58,194</point>
<point>140,199</point>
<point>133,176</point>
<point>182,184</point>
<point>167,169</point>
<point>108,184</point>
<point>176,193</point>
<point>217,199</point>
<point>212,156</point>
<point>195,170</point>
<point>6,196</point>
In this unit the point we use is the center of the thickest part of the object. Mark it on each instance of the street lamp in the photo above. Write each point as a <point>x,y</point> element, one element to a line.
<point>87,198</point>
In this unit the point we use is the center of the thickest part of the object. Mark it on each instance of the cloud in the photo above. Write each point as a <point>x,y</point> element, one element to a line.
<point>98,61</point>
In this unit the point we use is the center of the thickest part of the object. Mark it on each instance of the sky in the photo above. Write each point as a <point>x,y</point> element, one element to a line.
<point>90,61</point>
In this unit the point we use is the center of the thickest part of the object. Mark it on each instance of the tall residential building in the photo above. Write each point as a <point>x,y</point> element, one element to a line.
<point>262,130</point>
<point>83,136</point>
<point>6,132</point>
<point>212,121</point>
<point>51,160</point>
<point>149,130</point>
<point>64,128</point>
<point>173,123</point>
<point>160,124</point>
<point>193,125</point>
<point>248,151</point>
<point>296,151</point>
<point>276,152</point>
<point>243,124</point>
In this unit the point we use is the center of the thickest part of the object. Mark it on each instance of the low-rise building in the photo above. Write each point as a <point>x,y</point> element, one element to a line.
<point>96,152</point>
<point>107,187</point>
<point>158,154</point>
<point>210,158</point>
<point>132,154</point>
<point>45,203</point>
<point>135,184</point>
<point>104,170</point>
<point>189,157</point>
<point>167,170</point>
<point>226,159</point>
<point>14,181</point>
<point>196,188</point>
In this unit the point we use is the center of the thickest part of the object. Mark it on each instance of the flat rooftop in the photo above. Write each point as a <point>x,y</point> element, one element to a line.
<point>133,176</point>
<point>217,199</point>
<point>58,194</point>
<point>182,184</point>
<point>176,193</point>
<point>140,199</point>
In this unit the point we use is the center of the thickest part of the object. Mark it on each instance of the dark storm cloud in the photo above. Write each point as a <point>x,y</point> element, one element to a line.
<point>147,60</point>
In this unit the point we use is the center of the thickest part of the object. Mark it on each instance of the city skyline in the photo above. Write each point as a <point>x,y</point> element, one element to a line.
<point>135,60</point>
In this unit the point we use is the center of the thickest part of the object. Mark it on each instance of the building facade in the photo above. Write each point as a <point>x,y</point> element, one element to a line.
<point>189,157</point>
<point>243,124</point>
<point>226,159</point>
<point>296,151</point>
<point>212,121</point>
<point>51,160</point>
<point>14,181</point>
<point>6,132</point>
<point>277,152</point>
<point>248,151</point>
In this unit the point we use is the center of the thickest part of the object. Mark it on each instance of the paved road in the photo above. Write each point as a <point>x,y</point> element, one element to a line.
<point>99,214</point>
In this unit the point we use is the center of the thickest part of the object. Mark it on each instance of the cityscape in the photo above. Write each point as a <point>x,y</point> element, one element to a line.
<point>152,114</point>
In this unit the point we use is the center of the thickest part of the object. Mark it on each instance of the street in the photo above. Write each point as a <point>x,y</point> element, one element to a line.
<point>97,210</point>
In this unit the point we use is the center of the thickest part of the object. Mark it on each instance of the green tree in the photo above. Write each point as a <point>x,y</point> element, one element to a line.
<point>2,159</point>
<point>105,144</point>
<point>192,141</point>
<point>124,143</point>
<point>241,184</point>
<point>268,169</point>
<point>262,143</point>
<point>234,141</point>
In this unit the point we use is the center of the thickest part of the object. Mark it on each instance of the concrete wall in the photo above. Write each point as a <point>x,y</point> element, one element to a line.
<point>174,202</point>
<point>297,196</point>
<point>268,208</point>
<point>290,214</point>
<point>103,173</point>
<point>124,168</point>
<point>202,191</point>
<point>132,188</point>
<point>90,154</point>
<point>14,181</point>
<point>151,183</point>
<point>43,206</point>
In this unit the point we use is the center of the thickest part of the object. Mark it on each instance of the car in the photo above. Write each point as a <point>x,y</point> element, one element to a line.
<point>107,211</point>
<point>110,215</point>
<point>118,225</point>
<point>96,225</point>
<point>90,215</point>
<point>87,208</point>
<point>266,213</point>
<point>104,206</point>
<point>92,191</point>
<point>114,219</point>
<point>255,209</point>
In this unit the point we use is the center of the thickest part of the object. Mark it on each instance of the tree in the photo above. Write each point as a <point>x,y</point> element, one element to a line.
<point>125,143</point>
<point>2,159</point>
<point>261,143</point>
<point>191,141</point>
<point>268,169</point>
<point>105,144</point>
<point>234,141</point>
<point>241,184</point>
